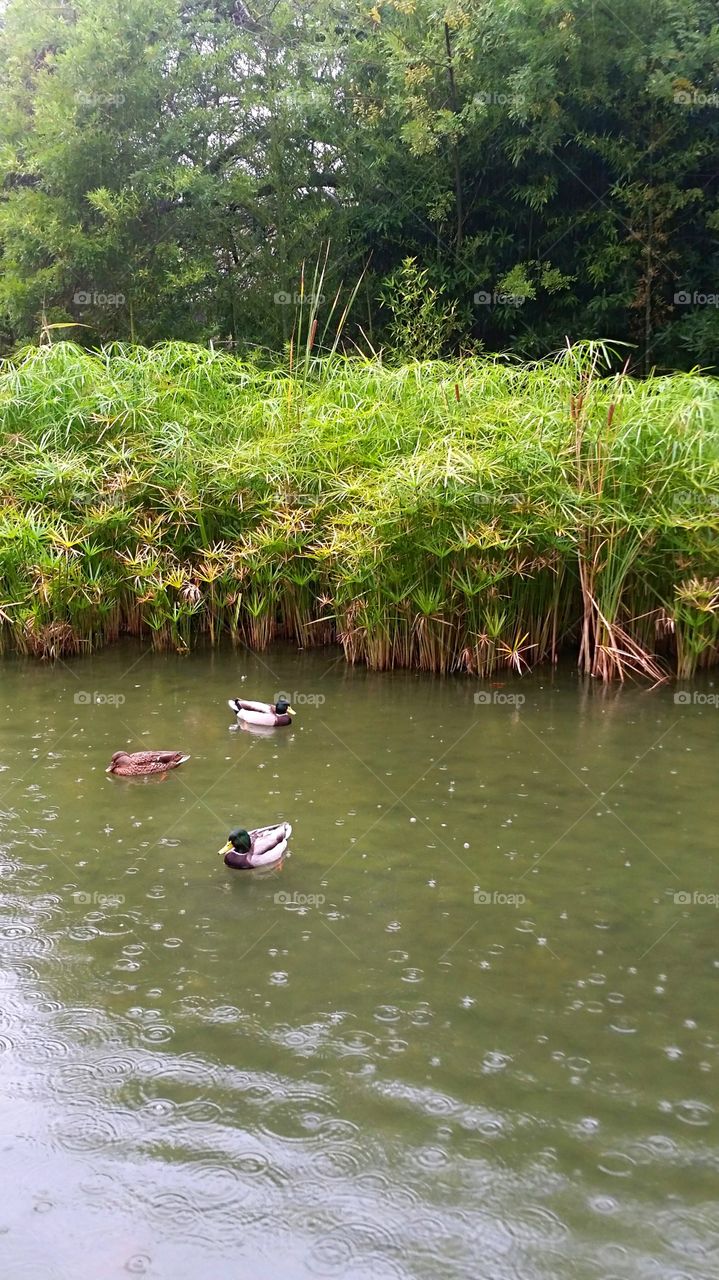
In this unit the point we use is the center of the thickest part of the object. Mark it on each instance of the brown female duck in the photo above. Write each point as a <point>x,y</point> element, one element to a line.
<point>137,764</point>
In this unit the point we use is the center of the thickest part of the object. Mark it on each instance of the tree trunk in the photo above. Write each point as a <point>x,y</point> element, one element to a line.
<point>455,149</point>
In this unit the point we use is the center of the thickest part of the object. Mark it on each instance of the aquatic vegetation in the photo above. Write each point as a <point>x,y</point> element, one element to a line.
<point>449,516</point>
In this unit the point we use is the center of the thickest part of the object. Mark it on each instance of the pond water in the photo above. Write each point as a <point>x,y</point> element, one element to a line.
<point>468,1030</point>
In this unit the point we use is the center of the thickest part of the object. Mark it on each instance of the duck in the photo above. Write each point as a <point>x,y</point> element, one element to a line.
<point>268,714</point>
<point>141,763</point>
<point>263,847</point>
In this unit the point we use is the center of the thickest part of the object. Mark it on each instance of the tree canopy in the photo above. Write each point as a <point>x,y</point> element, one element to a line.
<point>507,172</point>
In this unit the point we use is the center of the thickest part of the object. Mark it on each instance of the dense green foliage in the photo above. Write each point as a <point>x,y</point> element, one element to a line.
<point>551,165</point>
<point>447,516</point>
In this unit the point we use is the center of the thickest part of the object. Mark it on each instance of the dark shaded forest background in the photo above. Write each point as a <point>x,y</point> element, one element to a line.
<point>506,174</point>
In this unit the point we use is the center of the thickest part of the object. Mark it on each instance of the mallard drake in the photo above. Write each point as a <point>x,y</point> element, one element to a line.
<point>263,847</point>
<point>269,714</point>
<point>134,764</point>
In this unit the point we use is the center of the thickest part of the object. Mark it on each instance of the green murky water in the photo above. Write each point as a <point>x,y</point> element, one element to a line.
<point>469,1030</point>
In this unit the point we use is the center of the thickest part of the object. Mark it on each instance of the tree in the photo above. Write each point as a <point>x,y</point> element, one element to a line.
<point>549,165</point>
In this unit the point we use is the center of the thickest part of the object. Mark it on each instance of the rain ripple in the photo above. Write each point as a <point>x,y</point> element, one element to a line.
<point>353,1244</point>
<point>300,1116</point>
<point>92,1131</point>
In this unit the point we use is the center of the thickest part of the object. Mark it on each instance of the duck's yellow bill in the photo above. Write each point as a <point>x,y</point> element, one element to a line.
<point>290,712</point>
<point>226,848</point>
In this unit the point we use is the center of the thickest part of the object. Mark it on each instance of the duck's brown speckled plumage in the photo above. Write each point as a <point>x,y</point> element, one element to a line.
<point>134,764</point>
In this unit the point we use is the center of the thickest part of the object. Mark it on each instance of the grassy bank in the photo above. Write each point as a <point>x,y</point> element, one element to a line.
<point>465,516</point>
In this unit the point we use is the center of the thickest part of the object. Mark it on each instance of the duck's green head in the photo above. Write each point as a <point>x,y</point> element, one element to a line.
<point>283,708</point>
<point>238,840</point>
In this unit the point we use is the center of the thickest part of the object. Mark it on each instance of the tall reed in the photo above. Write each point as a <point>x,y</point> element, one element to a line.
<point>447,516</point>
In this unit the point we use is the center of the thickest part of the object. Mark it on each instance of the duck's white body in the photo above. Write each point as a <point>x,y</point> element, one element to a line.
<point>259,713</point>
<point>269,845</point>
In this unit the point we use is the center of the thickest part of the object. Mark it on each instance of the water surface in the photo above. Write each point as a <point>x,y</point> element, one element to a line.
<point>468,1030</point>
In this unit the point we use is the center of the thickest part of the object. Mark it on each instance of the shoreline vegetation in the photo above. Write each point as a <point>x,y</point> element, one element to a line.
<point>466,515</point>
